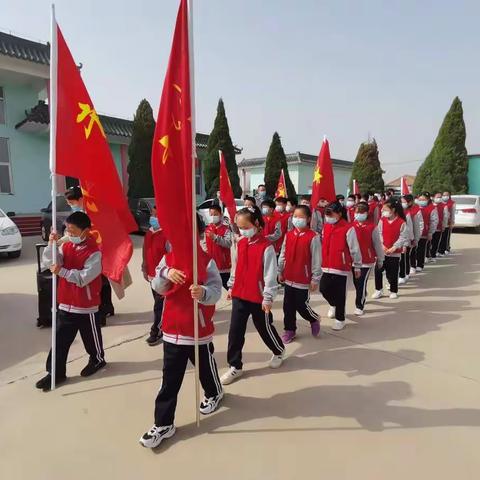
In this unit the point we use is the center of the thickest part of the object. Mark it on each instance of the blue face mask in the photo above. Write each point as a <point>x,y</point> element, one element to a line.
<point>76,208</point>
<point>154,223</point>
<point>361,217</point>
<point>299,222</point>
<point>75,240</point>
<point>423,203</point>
<point>265,210</point>
<point>262,193</point>
<point>247,233</point>
<point>331,220</point>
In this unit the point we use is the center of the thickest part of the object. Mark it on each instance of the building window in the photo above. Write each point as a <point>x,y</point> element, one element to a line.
<point>5,173</point>
<point>2,106</point>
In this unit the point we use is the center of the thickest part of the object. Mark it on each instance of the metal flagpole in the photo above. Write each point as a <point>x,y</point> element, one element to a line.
<point>53,127</point>
<point>194,209</point>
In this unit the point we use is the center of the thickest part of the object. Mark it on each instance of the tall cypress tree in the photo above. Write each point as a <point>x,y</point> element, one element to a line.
<point>276,160</point>
<point>366,168</point>
<point>220,139</point>
<point>446,167</point>
<point>140,153</point>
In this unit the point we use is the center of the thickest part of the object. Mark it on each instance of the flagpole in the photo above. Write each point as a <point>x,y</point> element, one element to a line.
<point>194,209</point>
<point>53,129</point>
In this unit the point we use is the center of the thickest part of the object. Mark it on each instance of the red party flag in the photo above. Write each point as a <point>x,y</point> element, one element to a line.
<point>323,182</point>
<point>226,191</point>
<point>404,190</point>
<point>82,152</point>
<point>282,186</point>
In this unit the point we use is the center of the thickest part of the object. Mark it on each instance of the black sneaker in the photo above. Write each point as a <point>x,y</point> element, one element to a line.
<point>45,383</point>
<point>92,367</point>
<point>209,405</point>
<point>154,339</point>
<point>155,435</point>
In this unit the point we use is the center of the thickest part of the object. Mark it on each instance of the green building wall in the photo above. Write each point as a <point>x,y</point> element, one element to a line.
<point>474,174</point>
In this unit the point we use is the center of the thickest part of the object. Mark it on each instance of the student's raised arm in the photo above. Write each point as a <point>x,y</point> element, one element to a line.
<point>276,234</point>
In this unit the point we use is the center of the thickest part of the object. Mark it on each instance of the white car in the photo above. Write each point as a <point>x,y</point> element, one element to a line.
<point>10,237</point>
<point>467,210</point>
<point>203,208</point>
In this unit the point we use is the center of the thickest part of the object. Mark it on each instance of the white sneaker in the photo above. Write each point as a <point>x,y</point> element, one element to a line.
<point>359,312</point>
<point>209,405</point>
<point>231,375</point>
<point>413,271</point>
<point>155,435</point>
<point>402,281</point>
<point>440,255</point>
<point>276,361</point>
<point>419,269</point>
<point>394,295</point>
<point>377,294</point>
<point>338,325</point>
<point>331,312</point>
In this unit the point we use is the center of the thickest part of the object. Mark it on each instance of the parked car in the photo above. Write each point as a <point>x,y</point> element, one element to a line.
<point>10,237</point>
<point>203,208</point>
<point>467,211</point>
<point>141,209</point>
<point>63,211</point>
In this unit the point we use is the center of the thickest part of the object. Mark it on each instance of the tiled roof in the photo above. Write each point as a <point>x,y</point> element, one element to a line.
<point>23,49</point>
<point>292,158</point>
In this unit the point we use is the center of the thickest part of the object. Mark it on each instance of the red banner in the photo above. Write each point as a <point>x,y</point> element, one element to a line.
<point>404,187</point>
<point>282,186</point>
<point>323,182</point>
<point>226,191</point>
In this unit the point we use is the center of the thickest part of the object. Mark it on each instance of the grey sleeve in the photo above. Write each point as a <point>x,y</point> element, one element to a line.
<point>411,235</point>
<point>224,241</point>
<point>269,275</point>
<point>452,215</point>
<point>290,224</point>
<point>354,248</point>
<point>91,270</point>
<point>317,222</point>
<point>281,258</point>
<point>47,254</point>
<point>233,254</point>
<point>213,286</point>
<point>433,222</point>
<point>276,234</point>
<point>160,283</point>
<point>376,215</point>
<point>402,239</point>
<point>378,246</point>
<point>446,216</point>
<point>316,253</point>
<point>418,226</point>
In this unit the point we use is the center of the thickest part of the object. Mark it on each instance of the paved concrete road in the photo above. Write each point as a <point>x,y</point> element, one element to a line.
<point>395,395</point>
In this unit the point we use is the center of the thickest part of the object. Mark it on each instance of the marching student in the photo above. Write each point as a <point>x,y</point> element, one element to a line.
<point>154,248</point>
<point>79,269</point>
<point>218,238</point>
<point>285,218</point>
<point>443,220</point>
<point>318,215</point>
<point>305,200</point>
<point>291,205</point>
<point>412,209</point>
<point>272,230</point>
<point>253,287</point>
<point>179,341</point>
<point>404,267</point>
<point>299,268</point>
<point>249,201</point>
<point>350,207</point>
<point>371,249</point>
<point>373,207</point>
<point>394,234</point>
<point>430,222</point>
<point>340,252</point>
<point>74,198</point>
<point>341,199</point>
<point>444,247</point>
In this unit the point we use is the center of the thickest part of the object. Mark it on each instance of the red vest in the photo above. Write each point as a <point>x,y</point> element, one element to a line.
<point>298,256</point>
<point>391,232</point>
<point>220,254</point>
<point>351,213</point>
<point>270,223</point>
<point>177,316</point>
<point>74,257</point>
<point>372,208</point>
<point>249,282</point>
<point>426,214</point>
<point>450,203</point>
<point>440,209</point>
<point>283,217</point>
<point>364,236</point>
<point>335,251</point>
<point>154,245</point>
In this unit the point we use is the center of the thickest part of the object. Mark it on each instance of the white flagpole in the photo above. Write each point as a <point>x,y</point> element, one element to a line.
<point>194,209</point>
<point>53,130</point>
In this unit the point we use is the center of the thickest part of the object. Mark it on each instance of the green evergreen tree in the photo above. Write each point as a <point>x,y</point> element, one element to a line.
<point>367,170</point>
<point>276,160</point>
<point>220,139</point>
<point>446,167</point>
<point>140,153</point>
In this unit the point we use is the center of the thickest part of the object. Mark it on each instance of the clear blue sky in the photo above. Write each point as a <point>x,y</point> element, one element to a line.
<point>304,68</point>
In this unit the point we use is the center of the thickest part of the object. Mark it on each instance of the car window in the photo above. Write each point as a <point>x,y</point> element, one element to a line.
<point>62,205</point>
<point>206,204</point>
<point>465,200</point>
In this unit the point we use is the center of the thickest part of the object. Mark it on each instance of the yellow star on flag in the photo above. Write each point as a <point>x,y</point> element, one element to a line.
<point>317,176</point>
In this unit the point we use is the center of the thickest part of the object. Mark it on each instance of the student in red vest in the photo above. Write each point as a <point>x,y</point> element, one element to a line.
<point>371,249</point>
<point>79,269</point>
<point>285,217</point>
<point>443,219</point>
<point>154,248</point>
<point>430,222</point>
<point>299,267</point>
<point>291,205</point>
<point>179,341</point>
<point>350,205</point>
<point>394,234</point>
<point>413,210</point>
<point>340,252</point>
<point>404,267</point>
<point>373,207</point>
<point>444,247</point>
<point>253,287</point>
<point>218,238</point>
<point>318,216</point>
<point>272,230</point>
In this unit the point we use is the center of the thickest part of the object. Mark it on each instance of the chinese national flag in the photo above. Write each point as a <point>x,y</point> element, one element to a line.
<point>281,187</point>
<point>356,188</point>
<point>323,182</point>
<point>82,152</point>
<point>404,190</point>
<point>172,159</point>
<point>226,191</point>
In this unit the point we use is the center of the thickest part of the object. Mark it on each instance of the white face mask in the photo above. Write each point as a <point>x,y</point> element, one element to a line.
<point>214,218</point>
<point>280,208</point>
<point>361,217</point>
<point>299,222</point>
<point>404,205</point>
<point>445,198</point>
<point>289,208</point>
<point>350,203</point>
<point>331,220</point>
<point>386,214</point>
<point>247,233</point>
<point>437,200</point>
<point>265,210</point>
<point>75,240</point>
